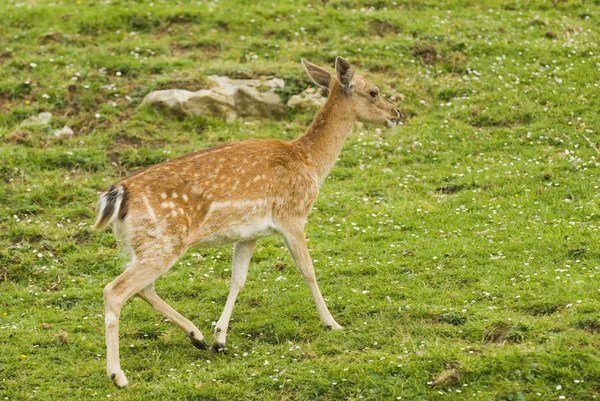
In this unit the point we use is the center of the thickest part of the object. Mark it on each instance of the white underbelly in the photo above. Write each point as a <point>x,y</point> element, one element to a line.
<point>235,221</point>
<point>233,234</point>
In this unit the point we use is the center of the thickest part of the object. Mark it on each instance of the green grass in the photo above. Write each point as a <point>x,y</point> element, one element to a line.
<point>465,241</point>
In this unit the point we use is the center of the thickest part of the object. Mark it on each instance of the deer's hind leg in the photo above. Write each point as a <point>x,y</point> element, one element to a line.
<point>148,264</point>
<point>149,295</point>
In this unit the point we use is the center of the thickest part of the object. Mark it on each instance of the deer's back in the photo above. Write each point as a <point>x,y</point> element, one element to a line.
<point>225,194</point>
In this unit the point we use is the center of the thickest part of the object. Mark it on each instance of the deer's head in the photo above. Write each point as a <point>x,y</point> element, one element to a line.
<point>365,98</point>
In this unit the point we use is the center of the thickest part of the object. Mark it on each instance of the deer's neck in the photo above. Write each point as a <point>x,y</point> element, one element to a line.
<point>323,141</point>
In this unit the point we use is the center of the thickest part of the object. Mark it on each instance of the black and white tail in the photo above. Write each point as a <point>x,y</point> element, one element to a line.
<point>112,203</point>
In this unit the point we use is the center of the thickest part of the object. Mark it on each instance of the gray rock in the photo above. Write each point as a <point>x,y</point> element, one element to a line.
<point>40,119</point>
<point>228,99</point>
<point>170,101</point>
<point>309,98</point>
<point>64,132</point>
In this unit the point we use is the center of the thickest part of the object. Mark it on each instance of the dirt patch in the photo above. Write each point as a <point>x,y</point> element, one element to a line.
<point>451,189</point>
<point>123,140</point>
<point>17,137</point>
<point>256,302</point>
<point>82,237</point>
<point>591,325</point>
<point>455,60</point>
<point>485,119</point>
<point>497,333</point>
<point>383,28</point>
<point>543,308</point>
<point>4,102</point>
<point>186,47</point>
<point>450,377</point>
<point>503,332</point>
<point>182,18</point>
<point>427,52</point>
<point>309,355</point>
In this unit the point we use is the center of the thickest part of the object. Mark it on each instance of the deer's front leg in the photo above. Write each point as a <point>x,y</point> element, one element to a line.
<point>242,252</point>
<point>296,242</point>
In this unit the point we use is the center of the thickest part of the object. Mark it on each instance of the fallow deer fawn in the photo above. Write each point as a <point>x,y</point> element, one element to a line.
<point>236,193</point>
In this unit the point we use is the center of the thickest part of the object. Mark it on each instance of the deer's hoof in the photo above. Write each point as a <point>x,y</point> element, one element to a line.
<point>200,344</point>
<point>119,379</point>
<point>219,347</point>
<point>334,326</point>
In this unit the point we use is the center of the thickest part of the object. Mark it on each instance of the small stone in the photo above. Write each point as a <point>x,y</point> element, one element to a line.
<point>40,119</point>
<point>64,132</point>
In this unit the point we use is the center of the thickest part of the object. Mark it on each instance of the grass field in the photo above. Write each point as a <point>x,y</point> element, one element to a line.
<point>460,251</point>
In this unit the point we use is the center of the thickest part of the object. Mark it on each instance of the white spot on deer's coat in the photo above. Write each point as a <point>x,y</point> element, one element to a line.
<point>164,205</point>
<point>175,195</point>
<point>163,195</point>
<point>150,210</point>
<point>185,197</point>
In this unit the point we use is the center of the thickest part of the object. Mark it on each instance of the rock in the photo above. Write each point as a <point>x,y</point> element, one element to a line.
<point>229,99</point>
<point>40,119</point>
<point>170,101</point>
<point>64,132</point>
<point>309,98</point>
<point>207,102</point>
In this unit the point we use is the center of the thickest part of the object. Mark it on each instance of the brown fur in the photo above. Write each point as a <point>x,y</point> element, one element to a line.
<point>234,193</point>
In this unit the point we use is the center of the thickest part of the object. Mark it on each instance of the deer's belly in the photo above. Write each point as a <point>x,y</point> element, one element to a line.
<point>229,222</point>
<point>238,233</point>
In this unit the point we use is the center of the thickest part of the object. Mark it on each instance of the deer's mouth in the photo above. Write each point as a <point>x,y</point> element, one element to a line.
<point>392,122</point>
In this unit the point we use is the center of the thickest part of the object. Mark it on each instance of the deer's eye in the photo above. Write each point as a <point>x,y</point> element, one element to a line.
<point>374,94</point>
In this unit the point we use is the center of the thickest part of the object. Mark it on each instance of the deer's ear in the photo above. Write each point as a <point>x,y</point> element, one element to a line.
<point>319,75</point>
<point>345,73</point>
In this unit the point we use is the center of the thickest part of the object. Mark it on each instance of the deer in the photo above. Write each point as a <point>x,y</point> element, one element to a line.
<point>234,193</point>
